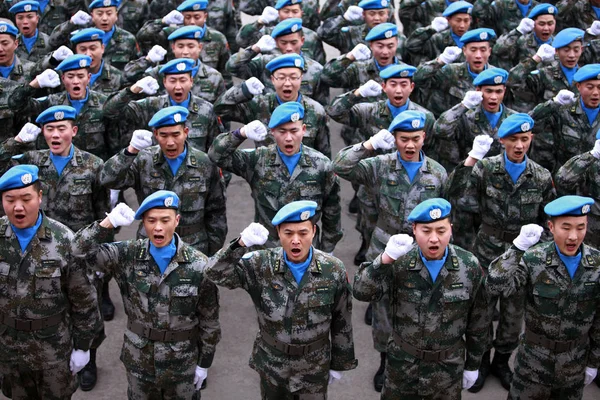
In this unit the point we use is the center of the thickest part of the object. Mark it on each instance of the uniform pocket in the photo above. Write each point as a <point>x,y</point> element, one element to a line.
<point>194,194</point>
<point>183,299</point>
<point>47,280</point>
<point>319,307</point>
<point>407,306</point>
<point>546,298</point>
<point>456,305</point>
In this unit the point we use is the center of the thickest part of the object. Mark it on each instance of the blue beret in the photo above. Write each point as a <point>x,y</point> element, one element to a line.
<point>160,199</point>
<point>25,6</point>
<point>76,61</point>
<point>569,205</point>
<point>56,113</point>
<point>542,9</point>
<point>383,31</point>
<point>514,124</point>
<point>397,71</point>
<point>285,61</point>
<point>169,116</point>
<point>587,72</point>
<point>430,210</point>
<point>566,37</point>
<point>408,121</point>
<point>374,4</point>
<point>458,7</point>
<point>8,29</point>
<point>296,211</point>
<point>18,177</point>
<point>87,35</point>
<point>491,76</point>
<point>178,66</point>
<point>287,112</point>
<point>188,32</point>
<point>286,27</point>
<point>104,3</point>
<point>284,3</point>
<point>478,35</point>
<point>193,5</point>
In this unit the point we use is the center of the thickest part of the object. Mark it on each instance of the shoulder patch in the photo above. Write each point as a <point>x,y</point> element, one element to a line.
<point>248,255</point>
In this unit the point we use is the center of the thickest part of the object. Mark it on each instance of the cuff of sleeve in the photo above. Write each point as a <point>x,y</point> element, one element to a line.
<point>127,153</point>
<point>246,92</point>
<point>343,366</point>
<point>79,344</point>
<point>206,360</point>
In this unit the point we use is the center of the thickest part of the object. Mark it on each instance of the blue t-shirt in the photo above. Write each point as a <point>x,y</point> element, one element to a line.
<point>380,68</point>
<point>514,169</point>
<point>108,35</point>
<point>175,163</point>
<point>493,118</point>
<point>60,162</point>
<point>540,41</point>
<point>571,262</point>
<point>280,102</point>
<point>290,161</point>
<point>25,235</point>
<point>412,167</point>
<point>396,110</point>
<point>298,270</point>
<point>97,74</point>
<point>569,72</point>
<point>78,104</point>
<point>43,5</point>
<point>524,8</point>
<point>5,71</point>
<point>434,266</point>
<point>29,41</point>
<point>183,104</point>
<point>474,74</point>
<point>591,113</point>
<point>163,255</point>
<point>597,11</point>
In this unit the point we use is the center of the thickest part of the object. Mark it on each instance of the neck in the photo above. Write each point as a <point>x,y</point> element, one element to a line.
<point>94,70</point>
<point>476,70</point>
<point>492,110</point>
<point>8,64</point>
<point>588,105</point>
<point>293,96</point>
<point>514,159</point>
<point>31,34</point>
<point>381,64</point>
<point>64,153</point>
<point>524,2</point>
<point>109,29</point>
<point>398,105</point>
<point>80,97</point>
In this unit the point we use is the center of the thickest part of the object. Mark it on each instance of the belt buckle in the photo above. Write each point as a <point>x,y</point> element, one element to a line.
<point>22,325</point>
<point>430,355</point>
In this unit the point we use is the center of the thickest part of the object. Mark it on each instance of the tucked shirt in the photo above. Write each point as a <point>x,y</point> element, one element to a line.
<point>163,255</point>
<point>412,167</point>
<point>97,74</point>
<point>493,118</point>
<point>29,41</point>
<point>25,235</point>
<point>514,169</point>
<point>5,71</point>
<point>60,162</point>
<point>434,266</point>
<point>397,110</point>
<point>290,161</point>
<point>591,113</point>
<point>175,163</point>
<point>569,73</point>
<point>298,270</point>
<point>78,104</point>
<point>571,262</point>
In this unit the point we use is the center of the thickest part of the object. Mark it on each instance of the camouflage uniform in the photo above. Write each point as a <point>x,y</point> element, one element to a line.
<point>9,121</point>
<point>429,316</point>
<point>333,8</point>
<point>40,48</point>
<point>56,12</point>
<point>310,10</point>
<point>133,14</point>
<point>500,15</point>
<point>425,44</point>
<point>558,309</point>
<point>574,14</point>
<point>416,14</point>
<point>44,282</point>
<point>514,47</point>
<point>318,307</point>
<point>272,186</point>
<point>22,71</point>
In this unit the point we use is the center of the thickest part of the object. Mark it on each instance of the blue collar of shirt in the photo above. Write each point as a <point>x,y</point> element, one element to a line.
<point>290,161</point>
<point>196,68</point>
<point>298,270</point>
<point>571,262</point>
<point>456,39</point>
<point>540,41</point>
<point>569,72</point>
<point>591,113</point>
<point>61,162</point>
<point>523,7</point>
<point>597,11</point>
<point>492,117</point>
<point>474,74</point>
<point>448,2</point>
<point>78,104</point>
<point>5,71</point>
<point>24,235</point>
<point>29,41</point>
<point>397,110</point>
<point>108,35</point>
<point>412,167</point>
<point>380,68</point>
<point>43,5</point>
<point>280,102</point>
<point>184,104</point>
<point>514,169</point>
<point>163,255</point>
<point>175,163</point>
<point>97,74</point>
<point>434,266</point>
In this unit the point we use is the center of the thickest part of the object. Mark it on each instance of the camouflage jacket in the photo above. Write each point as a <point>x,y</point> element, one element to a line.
<point>10,122</point>
<point>132,14</point>
<point>574,14</point>
<point>500,15</point>
<point>22,72</point>
<point>333,8</point>
<point>320,306</point>
<point>44,281</point>
<point>56,12</point>
<point>310,10</point>
<point>341,72</point>
<point>179,299</point>
<point>425,44</point>
<point>198,183</point>
<point>513,47</point>
<point>416,14</point>
<point>272,186</point>
<point>40,48</point>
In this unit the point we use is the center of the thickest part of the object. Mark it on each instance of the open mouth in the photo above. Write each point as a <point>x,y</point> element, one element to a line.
<point>410,154</point>
<point>171,153</point>
<point>296,252</point>
<point>159,239</point>
<point>55,145</point>
<point>288,148</point>
<point>77,90</point>
<point>20,217</point>
<point>571,247</point>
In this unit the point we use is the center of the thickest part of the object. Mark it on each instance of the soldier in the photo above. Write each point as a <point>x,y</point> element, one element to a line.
<point>48,306</point>
<point>173,310</point>
<point>572,120</point>
<point>35,43</point>
<point>284,9</point>
<point>283,172</point>
<point>559,352</point>
<point>53,12</point>
<point>398,181</point>
<point>427,354</point>
<point>134,108</point>
<point>132,14</point>
<point>295,356</point>
<point>577,14</point>
<point>501,15</point>
<point>310,10</point>
<point>416,14</point>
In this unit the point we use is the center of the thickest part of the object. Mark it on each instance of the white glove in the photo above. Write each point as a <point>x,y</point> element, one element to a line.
<point>121,215</point>
<point>594,29</point>
<point>590,375</point>
<point>268,15</point>
<point>546,52</point>
<point>481,145</point>
<point>530,234</point>
<point>29,132</point>
<point>173,18</point>
<point>61,53</point>
<point>199,376</point>
<point>450,54</point>
<point>114,198</point>
<point>472,99</point>
<point>81,18</point>
<point>439,24</point>
<point>48,79</point>
<point>254,234</point>
<point>148,84</point>
<point>361,52</point>
<point>256,131</point>
<point>370,89</point>
<point>398,245</point>
<point>382,140</point>
<point>156,54</point>
<point>353,13</point>
<point>254,86</point>
<point>334,376</point>
<point>596,150</point>
<point>79,359</point>
<point>525,26</point>
<point>564,97</point>
<point>141,139</point>
<point>469,378</point>
<point>266,44</point>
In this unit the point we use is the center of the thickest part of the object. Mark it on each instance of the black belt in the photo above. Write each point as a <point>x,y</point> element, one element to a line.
<point>187,230</point>
<point>505,236</point>
<point>294,349</point>
<point>30,325</point>
<point>427,355</point>
<point>559,346</point>
<point>160,335</point>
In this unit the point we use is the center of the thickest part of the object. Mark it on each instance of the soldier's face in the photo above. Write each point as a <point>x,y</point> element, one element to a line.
<point>27,23</point>
<point>22,206</point>
<point>544,26</point>
<point>289,44</point>
<point>516,146</point>
<point>8,45</point>
<point>433,238</point>
<point>590,92</point>
<point>568,233</point>
<point>197,18</point>
<point>459,23</point>
<point>59,136</point>
<point>95,50</point>
<point>171,139</point>
<point>160,224</point>
<point>289,136</point>
<point>293,11</point>
<point>178,86</point>
<point>569,55</point>
<point>477,55</point>
<point>187,48</point>
<point>384,50</point>
<point>493,96</point>
<point>398,90</point>
<point>409,144</point>
<point>375,17</point>
<point>296,239</point>
<point>287,83</point>
<point>104,18</point>
<point>76,82</point>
